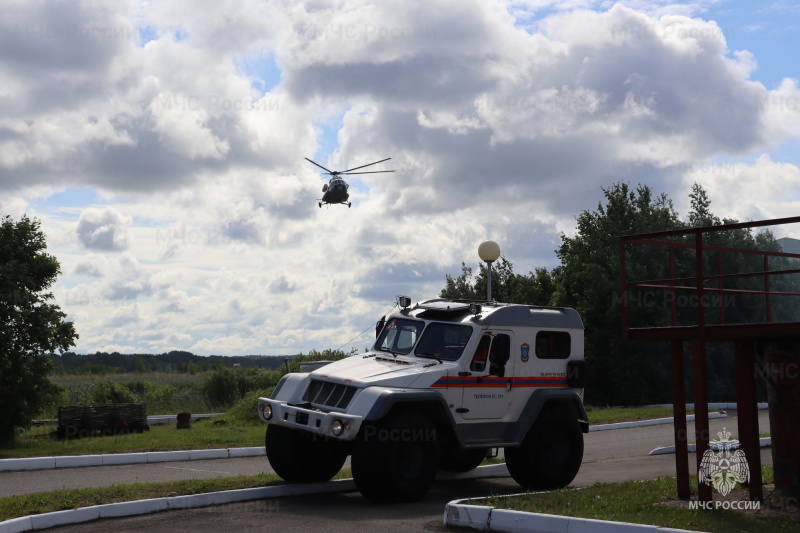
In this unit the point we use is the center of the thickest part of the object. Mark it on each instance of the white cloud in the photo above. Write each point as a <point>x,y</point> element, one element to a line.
<point>502,119</point>
<point>185,128</point>
<point>105,229</point>
<point>763,190</point>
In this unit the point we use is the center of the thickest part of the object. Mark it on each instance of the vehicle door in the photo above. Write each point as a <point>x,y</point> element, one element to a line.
<point>488,387</point>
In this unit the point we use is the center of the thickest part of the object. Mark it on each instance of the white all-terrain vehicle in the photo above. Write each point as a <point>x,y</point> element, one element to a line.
<point>445,383</point>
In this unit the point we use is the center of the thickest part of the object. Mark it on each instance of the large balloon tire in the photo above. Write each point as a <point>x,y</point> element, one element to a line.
<point>396,459</point>
<point>551,453</point>
<point>302,457</point>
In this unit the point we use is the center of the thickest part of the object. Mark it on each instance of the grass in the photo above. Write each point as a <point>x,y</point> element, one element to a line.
<point>239,427</point>
<point>646,502</point>
<point>60,500</point>
<point>203,435</point>
<point>612,416</point>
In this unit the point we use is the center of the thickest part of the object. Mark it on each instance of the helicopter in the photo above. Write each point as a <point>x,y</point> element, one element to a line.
<point>335,191</point>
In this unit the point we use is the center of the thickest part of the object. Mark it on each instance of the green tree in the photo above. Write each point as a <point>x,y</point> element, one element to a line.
<point>31,326</point>
<point>314,355</point>
<point>142,367</point>
<point>620,372</point>
<point>537,288</point>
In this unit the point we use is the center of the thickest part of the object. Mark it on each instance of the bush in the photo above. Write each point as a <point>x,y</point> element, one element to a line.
<point>137,387</point>
<point>245,412</point>
<point>104,391</point>
<point>160,398</point>
<point>314,355</point>
<point>226,386</point>
<point>221,388</point>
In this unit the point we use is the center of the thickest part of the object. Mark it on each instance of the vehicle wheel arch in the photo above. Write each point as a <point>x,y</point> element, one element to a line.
<point>542,400</point>
<point>432,404</point>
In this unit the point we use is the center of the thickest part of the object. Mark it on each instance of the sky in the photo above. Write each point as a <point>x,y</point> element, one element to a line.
<point>162,144</point>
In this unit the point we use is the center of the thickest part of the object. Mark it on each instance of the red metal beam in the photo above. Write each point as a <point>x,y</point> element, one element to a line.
<point>700,412</point>
<point>642,285</point>
<point>672,293</point>
<point>712,248</point>
<point>679,414</point>
<point>698,272</point>
<point>624,275</point>
<point>718,332</point>
<point>748,414</point>
<point>713,229</point>
<point>766,288</point>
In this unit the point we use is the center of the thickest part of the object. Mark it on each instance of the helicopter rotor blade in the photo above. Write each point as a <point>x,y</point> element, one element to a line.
<point>362,166</point>
<point>331,172</point>
<point>368,172</point>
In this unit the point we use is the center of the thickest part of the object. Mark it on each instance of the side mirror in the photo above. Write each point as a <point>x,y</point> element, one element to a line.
<point>577,374</point>
<point>379,326</point>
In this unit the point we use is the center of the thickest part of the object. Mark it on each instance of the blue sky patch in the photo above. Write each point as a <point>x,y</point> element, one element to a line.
<point>263,72</point>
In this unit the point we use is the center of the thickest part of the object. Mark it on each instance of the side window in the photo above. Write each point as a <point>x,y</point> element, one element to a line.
<point>478,363</point>
<point>553,345</point>
<point>499,354</point>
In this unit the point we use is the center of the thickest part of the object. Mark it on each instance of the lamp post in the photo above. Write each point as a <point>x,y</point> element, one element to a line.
<point>489,251</point>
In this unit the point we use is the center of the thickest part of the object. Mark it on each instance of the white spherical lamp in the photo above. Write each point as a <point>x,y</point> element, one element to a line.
<point>489,251</point>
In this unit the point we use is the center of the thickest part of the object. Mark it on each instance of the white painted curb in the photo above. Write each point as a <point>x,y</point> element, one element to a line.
<point>763,442</point>
<point>486,518</point>
<point>247,452</point>
<point>86,514</point>
<point>731,406</point>
<point>152,420</point>
<point>76,461</point>
<point>650,422</point>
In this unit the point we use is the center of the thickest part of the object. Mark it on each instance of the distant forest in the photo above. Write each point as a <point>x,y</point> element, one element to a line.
<point>175,361</point>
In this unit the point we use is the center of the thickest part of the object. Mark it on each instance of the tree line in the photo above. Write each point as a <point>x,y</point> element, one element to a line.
<point>102,363</point>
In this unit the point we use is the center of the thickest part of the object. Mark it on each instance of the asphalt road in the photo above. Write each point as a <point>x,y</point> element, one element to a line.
<point>610,456</point>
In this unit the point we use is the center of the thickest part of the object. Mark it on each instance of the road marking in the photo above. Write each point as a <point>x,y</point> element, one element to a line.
<point>198,470</point>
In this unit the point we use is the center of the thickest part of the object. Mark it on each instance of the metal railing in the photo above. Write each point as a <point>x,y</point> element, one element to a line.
<point>699,282</point>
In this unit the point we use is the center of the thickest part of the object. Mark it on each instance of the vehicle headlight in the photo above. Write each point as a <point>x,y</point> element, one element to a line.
<point>337,427</point>
<point>266,410</point>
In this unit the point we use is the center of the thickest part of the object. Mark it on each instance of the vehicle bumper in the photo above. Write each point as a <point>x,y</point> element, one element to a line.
<point>309,419</point>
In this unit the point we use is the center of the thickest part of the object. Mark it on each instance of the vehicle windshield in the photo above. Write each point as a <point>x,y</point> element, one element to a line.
<point>444,341</point>
<point>399,336</point>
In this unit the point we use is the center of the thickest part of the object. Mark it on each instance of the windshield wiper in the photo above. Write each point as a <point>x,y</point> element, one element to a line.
<point>429,355</point>
<point>391,351</point>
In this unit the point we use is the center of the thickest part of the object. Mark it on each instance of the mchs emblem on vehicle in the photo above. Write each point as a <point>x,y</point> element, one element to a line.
<point>525,351</point>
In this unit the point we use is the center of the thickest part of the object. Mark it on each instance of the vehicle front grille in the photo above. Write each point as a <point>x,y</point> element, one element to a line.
<point>329,394</point>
